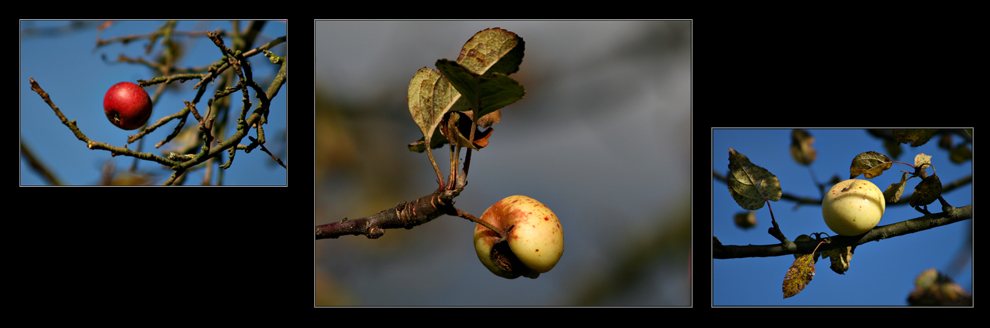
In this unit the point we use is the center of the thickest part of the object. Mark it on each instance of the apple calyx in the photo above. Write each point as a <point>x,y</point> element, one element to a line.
<point>502,256</point>
<point>518,236</point>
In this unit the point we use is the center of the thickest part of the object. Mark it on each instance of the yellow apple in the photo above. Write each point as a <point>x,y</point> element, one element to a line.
<point>853,207</point>
<point>534,239</point>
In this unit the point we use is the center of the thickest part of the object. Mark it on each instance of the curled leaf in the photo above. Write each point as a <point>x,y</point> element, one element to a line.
<point>464,129</point>
<point>840,258</point>
<point>922,160</point>
<point>488,119</point>
<point>458,128</point>
<point>894,191</point>
<point>870,164</point>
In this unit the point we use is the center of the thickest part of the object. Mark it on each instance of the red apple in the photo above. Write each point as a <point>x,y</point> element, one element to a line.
<point>127,105</point>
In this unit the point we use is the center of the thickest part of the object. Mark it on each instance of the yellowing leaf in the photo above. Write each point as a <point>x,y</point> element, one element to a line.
<point>840,258</point>
<point>429,97</point>
<point>492,50</point>
<point>799,275</point>
<point>420,99</point>
<point>922,160</point>
<point>458,128</point>
<point>894,191</point>
<point>488,119</point>
<point>870,164</point>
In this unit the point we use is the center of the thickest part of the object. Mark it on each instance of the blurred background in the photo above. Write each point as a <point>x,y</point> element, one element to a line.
<point>602,137</point>
<point>63,58</point>
<point>881,273</point>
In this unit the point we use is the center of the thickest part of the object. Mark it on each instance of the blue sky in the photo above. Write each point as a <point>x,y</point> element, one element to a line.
<point>68,66</point>
<point>881,273</point>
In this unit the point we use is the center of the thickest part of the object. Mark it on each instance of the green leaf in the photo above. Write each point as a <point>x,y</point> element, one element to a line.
<point>487,93</point>
<point>488,54</point>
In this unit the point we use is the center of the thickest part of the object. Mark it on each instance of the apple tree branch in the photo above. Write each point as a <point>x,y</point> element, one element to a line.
<point>403,215</point>
<point>948,216</point>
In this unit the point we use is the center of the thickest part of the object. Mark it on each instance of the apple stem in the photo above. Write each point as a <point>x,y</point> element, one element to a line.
<point>467,165</point>
<point>467,157</point>
<point>475,219</point>
<point>453,165</point>
<point>435,167</point>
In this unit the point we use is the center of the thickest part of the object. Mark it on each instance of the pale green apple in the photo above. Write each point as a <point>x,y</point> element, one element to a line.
<point>853,207</point>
